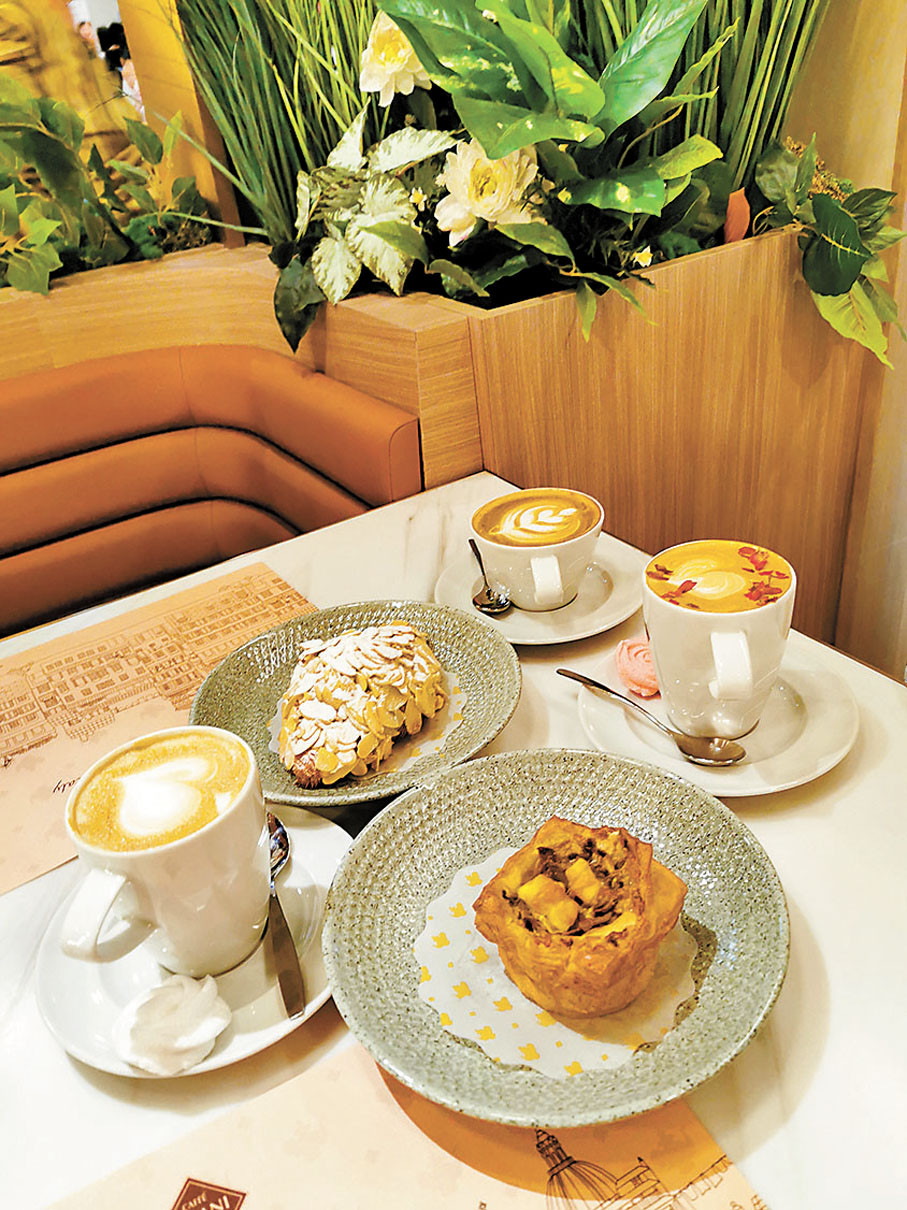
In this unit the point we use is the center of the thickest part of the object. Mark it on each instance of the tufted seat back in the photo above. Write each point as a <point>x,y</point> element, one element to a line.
<point>124,470</point>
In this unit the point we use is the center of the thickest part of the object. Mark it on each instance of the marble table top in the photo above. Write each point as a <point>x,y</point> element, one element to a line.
<point>812,1111</point>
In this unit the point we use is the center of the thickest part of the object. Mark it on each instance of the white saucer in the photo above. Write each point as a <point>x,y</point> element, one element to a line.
<point>809,725</point>
<point>80,1000</point>
<point>610,592</point>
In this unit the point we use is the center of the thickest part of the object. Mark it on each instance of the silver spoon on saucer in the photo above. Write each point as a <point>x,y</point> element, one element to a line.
<point>283,947</point>
<point>700,749</point>
<point>487,599</point>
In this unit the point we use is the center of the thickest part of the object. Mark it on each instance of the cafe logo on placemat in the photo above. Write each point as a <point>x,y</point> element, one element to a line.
<point>200,1195</point>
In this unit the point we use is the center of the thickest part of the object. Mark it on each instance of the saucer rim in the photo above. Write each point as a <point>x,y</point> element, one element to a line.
<point>797,658</point>
<point>318,865</point>
<point>608,551</point>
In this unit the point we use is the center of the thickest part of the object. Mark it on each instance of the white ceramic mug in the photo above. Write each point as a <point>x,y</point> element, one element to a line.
<point>204,896</point>
<point>716,665</point>
<point>538,574</point>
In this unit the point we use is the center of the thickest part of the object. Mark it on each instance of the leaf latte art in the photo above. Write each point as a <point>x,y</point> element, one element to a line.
<point>536,517</point>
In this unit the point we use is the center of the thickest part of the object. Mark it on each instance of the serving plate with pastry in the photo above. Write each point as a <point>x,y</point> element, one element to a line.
<point>555,937</point>
<point>360,701</point>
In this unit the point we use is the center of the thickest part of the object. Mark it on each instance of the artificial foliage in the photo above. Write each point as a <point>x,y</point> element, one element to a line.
<point>63,210</point>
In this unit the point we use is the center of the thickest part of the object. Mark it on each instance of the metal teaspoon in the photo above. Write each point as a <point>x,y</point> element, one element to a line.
<point>700,749</point>
<point>487,599</point>
<point>289,972</point>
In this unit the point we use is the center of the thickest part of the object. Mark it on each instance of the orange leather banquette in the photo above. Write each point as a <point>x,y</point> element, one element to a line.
<point>126,470</point>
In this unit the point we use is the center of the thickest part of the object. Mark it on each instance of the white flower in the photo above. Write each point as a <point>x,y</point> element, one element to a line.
<point>643,257</point>
<point>480,188</point>
<point>389,64</point>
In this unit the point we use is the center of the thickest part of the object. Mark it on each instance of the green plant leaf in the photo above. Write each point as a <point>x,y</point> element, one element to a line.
<point>681,94</point>
<point>694,152</point>
<point>456,279</point>
<point>63,121</point>
<point>37,226</point>
<point>60,169</point>
<point>30,268</point>
<point>853,315</point>
<point>296,300</point>
<point>875,268</point>
<point>710,211</point>
<point>558,164</point>
<point>642,66</point>
<point>538,235</point>
<point>172,133</point>
<point>506,265</point>
<point>566,84</point>
<point>406,238</point>
<point>806,171</point>
<point>408,146</point>
<point>835,255</point>
<point>335,268</point>
<point>776,173</point>
<point>619,287</point>
<point>141,195</point>
<point>130,172</point>
<point>307,193</point>
<point>9,211</point>
<point>677,243</point>
<point>869,206</point>
<point>348,152</point>
<point>634,191</point>
<point>674,189</point>
<point>501,129</point>
<point>461,50</point>
<point>882,303</point>
<point>378,256</point>
<point>885,237</point>
<point>146,141</point>
<point>587,305</point>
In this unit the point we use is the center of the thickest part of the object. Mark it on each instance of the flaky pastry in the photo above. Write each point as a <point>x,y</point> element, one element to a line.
<point>578,915</point>
<point>350,697</point>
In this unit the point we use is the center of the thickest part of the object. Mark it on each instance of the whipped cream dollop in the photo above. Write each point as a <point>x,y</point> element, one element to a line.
<point>172,1027</point>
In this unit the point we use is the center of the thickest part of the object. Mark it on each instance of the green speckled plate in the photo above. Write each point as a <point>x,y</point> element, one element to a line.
<point>243,692</point>
<point>407,856</point>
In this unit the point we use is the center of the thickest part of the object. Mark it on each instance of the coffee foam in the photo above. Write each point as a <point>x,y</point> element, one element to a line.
<point>536,517</point>
<point>159,791</point>
<point>719,576</point>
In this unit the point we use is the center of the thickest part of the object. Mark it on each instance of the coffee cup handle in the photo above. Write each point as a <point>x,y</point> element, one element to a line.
<point>546,577</point>
<point>733,668</point>
<point>88,911</point>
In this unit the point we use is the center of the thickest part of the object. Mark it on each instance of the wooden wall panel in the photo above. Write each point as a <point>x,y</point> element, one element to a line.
<point>210,295</point>
<point>733,413</point>
<point>413,351</point>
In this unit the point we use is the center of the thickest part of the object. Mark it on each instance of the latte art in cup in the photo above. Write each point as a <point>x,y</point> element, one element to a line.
<point>537,517</point>
<point>719,576</point>
<point>159,790</point>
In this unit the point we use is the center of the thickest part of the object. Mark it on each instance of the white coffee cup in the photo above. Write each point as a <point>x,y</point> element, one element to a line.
<point>537,543</point>
<point>203,895</point>
<point>717,644</point>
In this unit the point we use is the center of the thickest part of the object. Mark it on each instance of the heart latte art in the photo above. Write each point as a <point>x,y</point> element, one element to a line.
<point>536,517</point>
<point>159,791</point>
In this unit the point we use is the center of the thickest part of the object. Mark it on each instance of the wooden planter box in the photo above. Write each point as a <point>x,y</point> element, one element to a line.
<point>735,412</point>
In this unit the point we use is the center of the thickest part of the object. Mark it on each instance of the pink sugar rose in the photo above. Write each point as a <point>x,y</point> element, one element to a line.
<point>635,667</point>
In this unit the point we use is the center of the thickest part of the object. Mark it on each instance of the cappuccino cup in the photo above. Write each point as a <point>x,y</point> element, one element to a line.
<point>172,833</point>
<point>537,543</point>
<point>718,614</point>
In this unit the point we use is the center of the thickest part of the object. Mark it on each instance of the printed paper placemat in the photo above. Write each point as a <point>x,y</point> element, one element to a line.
<point>345,1135</point>
<point>65,703</point>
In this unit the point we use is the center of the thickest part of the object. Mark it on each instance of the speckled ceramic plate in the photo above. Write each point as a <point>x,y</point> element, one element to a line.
<point>243,692</point>
<point>408,855</point>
